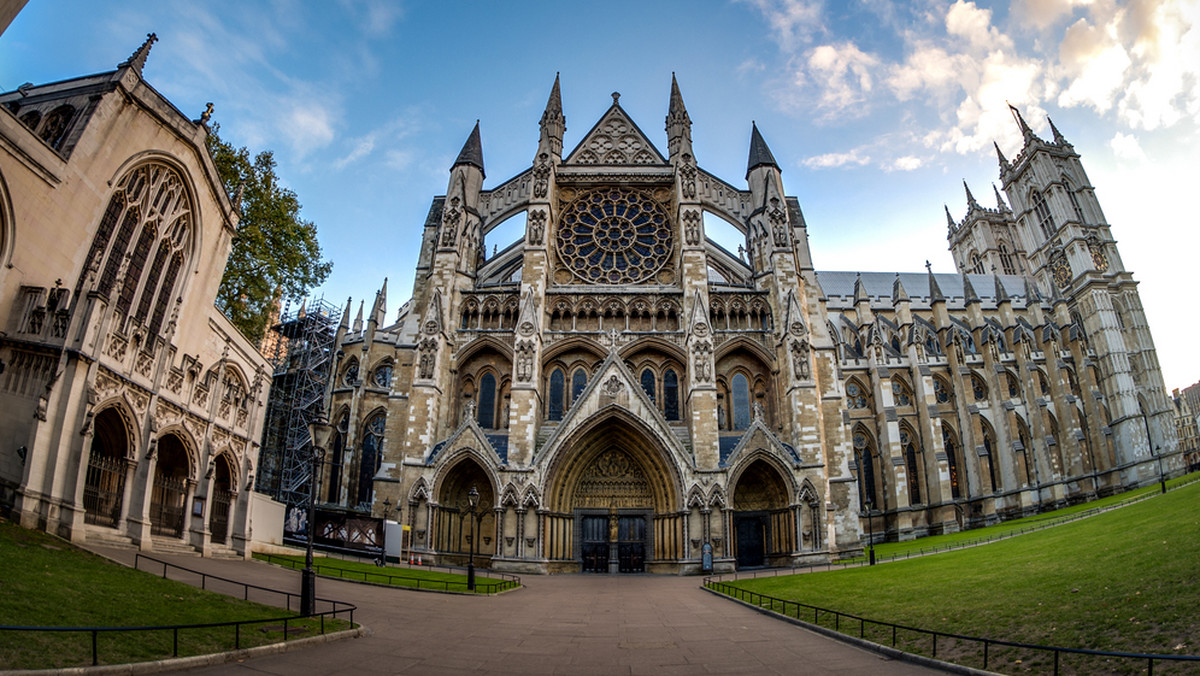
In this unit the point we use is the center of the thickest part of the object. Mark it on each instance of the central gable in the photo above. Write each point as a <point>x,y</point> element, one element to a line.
<point>615,140</point>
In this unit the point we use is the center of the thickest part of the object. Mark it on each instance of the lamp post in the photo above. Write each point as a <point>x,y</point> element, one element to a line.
<point>319,430</point>
<point>870,533</point>
<point>1162,478</point>
<point>473,500</point>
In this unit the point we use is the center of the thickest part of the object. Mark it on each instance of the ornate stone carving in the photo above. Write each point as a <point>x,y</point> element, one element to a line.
<point>537,226</point>
<point>687,177</point>
<point>800,358</point>
<point>700,355</point>
<point>778,219</point>
<point>691,227</point>
<point>613,386</point>
<point>451,218</point>
<point>524,351</point>
<point>614,236</point>
<point>541,177</point>
<point>428,349</point>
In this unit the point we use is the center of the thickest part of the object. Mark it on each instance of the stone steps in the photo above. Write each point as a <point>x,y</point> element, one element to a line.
<point>172,546</point>
<point>108,537</point>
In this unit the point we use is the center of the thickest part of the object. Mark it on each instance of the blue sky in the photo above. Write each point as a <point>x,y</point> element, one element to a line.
<point>875,110</point>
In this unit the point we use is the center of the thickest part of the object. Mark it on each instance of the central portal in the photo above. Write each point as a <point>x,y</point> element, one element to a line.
<point>613,543</point>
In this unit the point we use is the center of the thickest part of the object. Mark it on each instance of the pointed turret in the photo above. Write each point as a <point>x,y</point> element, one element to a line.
<point>898,292</point>
<point>1000,203</point>
<point>1032,293</point>
<point>949,219</point>
<point>1004,165</point>
<point>1001,294</point>
<point>760,154</point>
<point>1026,132</point>
<point>971,203</point>
<point>679,125</point>
<point>553,124</point>
<point>935,291</point>
<point>472,151</point>
<point>1058,137</point>
<point>377,311</point>
<point>860,294</point>
<point>345,323</point>
<point>137,60</point>
<point>358,320</point>
<point>969,294</point>
<point>303,311</point>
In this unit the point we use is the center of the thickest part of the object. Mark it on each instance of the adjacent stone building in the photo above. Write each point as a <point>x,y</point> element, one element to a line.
<point>130,408</point>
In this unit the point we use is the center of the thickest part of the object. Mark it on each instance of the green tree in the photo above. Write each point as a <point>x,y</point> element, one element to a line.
<point>275,251</point>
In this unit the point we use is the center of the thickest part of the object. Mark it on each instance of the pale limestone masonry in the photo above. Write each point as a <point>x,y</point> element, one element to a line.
<point>130,408</point>
<point>624,393</point>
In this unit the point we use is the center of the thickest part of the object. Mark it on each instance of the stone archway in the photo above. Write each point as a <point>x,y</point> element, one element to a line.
<point>613,502</point>
<point>168,497</point>
<point>452,526</point>
<point>104,485</point>
<point>763,524</point>
<point>222,500</point>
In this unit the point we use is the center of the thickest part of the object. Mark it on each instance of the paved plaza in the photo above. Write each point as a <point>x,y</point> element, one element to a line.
<point>563,624</point>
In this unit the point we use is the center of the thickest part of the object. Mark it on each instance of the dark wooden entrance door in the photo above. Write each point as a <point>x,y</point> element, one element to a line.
<point>751,538</point>
<point>595,544</point>
<point>631,548</point>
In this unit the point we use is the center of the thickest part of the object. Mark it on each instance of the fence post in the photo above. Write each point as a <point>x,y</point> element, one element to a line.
<point>237,636</point>
<point>95,654</point>
<point>986,644</point>
<point>175,642</point>
<point>285,629</point>
<point>1055,663</point>
<point>935,644</point>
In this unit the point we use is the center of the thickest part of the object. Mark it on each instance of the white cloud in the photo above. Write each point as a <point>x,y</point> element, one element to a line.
<point>1044,13</point>
<point>907,163</point>
<point>1096,63</point>
<point>967,21</point>
<point>1126,147</point>
<point>792,22</point>
<point>831,160</point>
<point>361,149</point>
<point>842,76</point>
<point>375,17</point>
<point>308,126</point>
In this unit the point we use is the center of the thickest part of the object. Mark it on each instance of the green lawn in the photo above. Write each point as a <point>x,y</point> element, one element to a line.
<point>1127,580</point>
<point>48,582</point>
<point>401,577</point>
<point>1016,526</point>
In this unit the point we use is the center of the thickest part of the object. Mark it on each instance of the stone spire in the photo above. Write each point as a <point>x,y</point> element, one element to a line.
<point>1058,137</point>
<point>553,124</point>
<point>377,312</point>
<point>1004,165</point>
<point>935,291</point>
<point>971,203</point>
<point>137,60</point>
<point>358,320</point>
<point>345,323</point>
<point>860,294</point>
<point>949,219</point>
<point>760,154</point>
<point>472,151</point>
<point>898,292</point>
<point>1026,132</point>
<point>679,125</point>
<point>969,294</point>
<point>1001,294</point>
<point>1000,203</point>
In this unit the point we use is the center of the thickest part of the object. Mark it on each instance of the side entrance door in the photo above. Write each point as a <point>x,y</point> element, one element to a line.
<point>751,538</point>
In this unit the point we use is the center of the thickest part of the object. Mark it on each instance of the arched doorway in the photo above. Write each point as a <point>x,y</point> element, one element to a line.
<point>104,486</point>
<point>613,501</point>
<point>222,499</point>
<point>169,493</point>
<point>762,523</point>
<point>452,519</point>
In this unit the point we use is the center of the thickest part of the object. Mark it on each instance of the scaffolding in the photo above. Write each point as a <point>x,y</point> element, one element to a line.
<point>302,359</point>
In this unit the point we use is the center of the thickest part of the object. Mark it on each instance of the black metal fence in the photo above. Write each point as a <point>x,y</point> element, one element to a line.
<point>958,648</point>
<point>166,506</point>
<point>492,584</point>
<point>285,624</point>
<point>103,490</point>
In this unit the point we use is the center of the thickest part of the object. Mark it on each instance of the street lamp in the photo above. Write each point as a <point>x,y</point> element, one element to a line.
<point>870,533</point>
<point>319,431</point>
<point>1162,478</point>
<point>473,499</point>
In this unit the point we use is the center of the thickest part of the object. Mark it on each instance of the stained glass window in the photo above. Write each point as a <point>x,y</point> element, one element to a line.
<point>671,395</point>
<point>614,236</point>
<point>554,409</point>
<point>741,401</point>
<point>940,391</point>
<point>372,442</point>
<point>383,376</point>
<point>856,395</point>
<point>648,383</point>
<point>578,383</point>
<point>486,410</point>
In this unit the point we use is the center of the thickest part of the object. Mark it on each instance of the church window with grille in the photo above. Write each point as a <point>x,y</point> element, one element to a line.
<point>900,393</point>
<point>740,392</point>
<point>941,391</point>
<point>648,383</point>
<point>670,395</point>
<point>1006,260</point>
<point>1041,212</point>
<point>1014,388</point>
<point>578,383</point>
<point>372,446</point>
<point>486,408</point>
<point>383,376</point>
<point>614,236</point>
<point>866,469</point>
<point>978,388</point>
<point>856,395</point>
<point>988,459</point>
<point>554,403</point>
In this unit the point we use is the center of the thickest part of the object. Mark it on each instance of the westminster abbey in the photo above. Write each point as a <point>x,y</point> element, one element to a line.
<point>624,394</point>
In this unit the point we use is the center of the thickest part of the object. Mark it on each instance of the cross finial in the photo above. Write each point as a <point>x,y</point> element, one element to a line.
<point>616,97</point>
<point>928,266</point>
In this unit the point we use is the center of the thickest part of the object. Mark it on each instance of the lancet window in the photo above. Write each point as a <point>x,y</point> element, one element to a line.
<point>951,445</point>
<point>1041,212</point>
<point>864,453</point>
<point>372,448</point>
<point>908,442</point>
<point>337,450</point>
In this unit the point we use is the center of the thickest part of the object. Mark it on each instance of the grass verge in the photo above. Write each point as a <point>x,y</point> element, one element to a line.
<point>398,577</point>
<point>1126,580</point>
<point>50,583</point>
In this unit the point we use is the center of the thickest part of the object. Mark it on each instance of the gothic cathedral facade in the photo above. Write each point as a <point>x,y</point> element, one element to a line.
<point>624,394</point>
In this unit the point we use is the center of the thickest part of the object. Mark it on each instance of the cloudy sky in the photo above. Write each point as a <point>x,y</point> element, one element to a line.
<point>876,110</point>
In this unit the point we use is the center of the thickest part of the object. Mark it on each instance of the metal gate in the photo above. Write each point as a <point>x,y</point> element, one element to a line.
<point>166,506</point>
<point>220,515</point>
<point>103,490</point>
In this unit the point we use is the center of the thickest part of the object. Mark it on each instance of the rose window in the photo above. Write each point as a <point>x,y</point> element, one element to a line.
<point>614,236</point>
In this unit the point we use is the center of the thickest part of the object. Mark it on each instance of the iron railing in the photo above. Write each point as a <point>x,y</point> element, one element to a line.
<point>166,506</point>
<point>493,584</point>
<point>206,581</point>
<point>103,490</point>
<point>793,609</point>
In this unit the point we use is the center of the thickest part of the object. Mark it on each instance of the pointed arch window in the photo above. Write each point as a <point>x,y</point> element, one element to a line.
<point>1074,197</point>
<point>864,454</point>
<point>950,443</point>
<point>648,384</point>
<point>554,406</point>
<point>989,447</point>
<point>856,395</point>
<point>372,448</point>
<point>578,383</point>
<point>670,395</point>
<point>1024,453</point>
<point>740,393</point>
<point>941,391</point>
<point>908,442</point>
<point>334,490</point>
<point>900,392</point>
<point>1006,260</point>
<point>978,388</point>
<point>1041,213</point>
<point>486,408</point>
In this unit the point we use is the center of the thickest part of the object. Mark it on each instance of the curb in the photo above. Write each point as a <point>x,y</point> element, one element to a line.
<point>886,651</point>
<point>179,663</point>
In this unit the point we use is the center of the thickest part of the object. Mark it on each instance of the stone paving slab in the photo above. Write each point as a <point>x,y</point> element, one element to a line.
<point>559,624</point>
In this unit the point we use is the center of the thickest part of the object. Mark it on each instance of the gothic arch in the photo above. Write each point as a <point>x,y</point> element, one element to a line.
<point>188,444</point>
<point>575,343</point>
<point>8,228</point>
<point>482,343</point>
<point>773,461</point>
<point>652,343</point>
<point>419,491</point>
<point>613,429</point>
<point>196,234</point>
<point>743,343</point>
<point>118,406</point>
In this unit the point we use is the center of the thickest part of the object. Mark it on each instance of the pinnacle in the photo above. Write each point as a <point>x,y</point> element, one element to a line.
<point>472,150</point>
<point>760,154</point>
<point>137,60</point>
